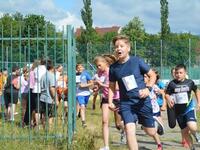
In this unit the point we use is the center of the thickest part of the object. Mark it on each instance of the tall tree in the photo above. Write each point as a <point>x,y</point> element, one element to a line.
<point>165,28</point>
<point>88,33</point>
<point>135,30</point>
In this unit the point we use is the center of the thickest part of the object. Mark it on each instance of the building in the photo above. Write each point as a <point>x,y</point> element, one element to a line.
<point>100,31</point>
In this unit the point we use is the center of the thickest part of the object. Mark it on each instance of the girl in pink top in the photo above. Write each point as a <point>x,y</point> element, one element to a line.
<point>102,64</point>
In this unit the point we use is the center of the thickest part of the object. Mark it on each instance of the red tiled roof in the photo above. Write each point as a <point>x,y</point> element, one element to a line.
<point>100,31</point>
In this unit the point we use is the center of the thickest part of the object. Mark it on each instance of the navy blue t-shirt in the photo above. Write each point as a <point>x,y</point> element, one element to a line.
<point>134,66</point>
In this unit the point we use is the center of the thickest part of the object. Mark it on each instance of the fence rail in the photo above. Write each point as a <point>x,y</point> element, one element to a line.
<point>162,55</point>
<point>24,50</point>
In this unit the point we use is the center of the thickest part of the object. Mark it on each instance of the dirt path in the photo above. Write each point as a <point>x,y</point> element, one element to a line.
<point>171,139</point>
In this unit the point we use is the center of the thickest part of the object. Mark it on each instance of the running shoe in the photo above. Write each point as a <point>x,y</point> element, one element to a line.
<point>105,148</point>
<point>123,137</point>
<point>197,137</point>
<point>159,126</point>
<point>84,124</point>
<point>159,147</point>
<point>185,144</point>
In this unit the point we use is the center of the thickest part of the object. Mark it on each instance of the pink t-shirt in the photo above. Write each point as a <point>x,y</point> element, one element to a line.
<point>32,79</point>
<point>104,78</point>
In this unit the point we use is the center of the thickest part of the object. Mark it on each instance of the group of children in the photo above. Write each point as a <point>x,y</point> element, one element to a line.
<point>38,88</point>
<point>133,91</point>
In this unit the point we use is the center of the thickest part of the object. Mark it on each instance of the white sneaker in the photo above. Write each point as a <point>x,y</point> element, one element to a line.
<point>123,137</point>
<point>159,126</point>
<point>105,148</point>
<point>197,137</point>
<point>16,113</point>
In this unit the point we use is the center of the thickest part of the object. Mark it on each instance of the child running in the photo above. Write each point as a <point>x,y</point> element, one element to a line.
<point>160,92</point>
<point>84,81</point>
<point>135,103</point>
<point>179,95</point>
<point>102,64</point>
<point>156,113</point>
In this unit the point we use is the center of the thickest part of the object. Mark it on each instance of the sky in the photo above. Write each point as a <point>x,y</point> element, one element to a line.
<point>183,14</point>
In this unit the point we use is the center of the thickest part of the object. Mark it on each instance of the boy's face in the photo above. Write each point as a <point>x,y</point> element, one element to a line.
<point>80,68</point>
<point>60,69</point>
<point>122,49</point>
<point>180,74</point>
<point>17,72</point>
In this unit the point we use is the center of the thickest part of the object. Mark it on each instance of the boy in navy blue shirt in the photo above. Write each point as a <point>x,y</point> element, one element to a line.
<point>135,104</point>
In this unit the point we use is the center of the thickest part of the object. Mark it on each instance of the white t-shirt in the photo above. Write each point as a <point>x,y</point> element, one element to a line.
<point>38,72</point>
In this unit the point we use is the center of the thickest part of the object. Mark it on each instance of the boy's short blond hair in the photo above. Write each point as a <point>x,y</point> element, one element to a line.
<point>121,37</point>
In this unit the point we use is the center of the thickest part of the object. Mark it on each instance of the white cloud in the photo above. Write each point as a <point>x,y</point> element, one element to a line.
<point>69,19</point>
<point>184,14</point>
<point>1,14</point>
<point>47,8</point>
<point>120,13</point>
<point>184,18</point>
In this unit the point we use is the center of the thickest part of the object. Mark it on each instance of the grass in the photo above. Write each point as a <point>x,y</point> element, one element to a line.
<point>89,138</point>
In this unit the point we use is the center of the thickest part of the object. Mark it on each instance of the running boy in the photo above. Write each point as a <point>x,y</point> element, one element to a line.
<point>179,95</point>
<point>156,113</point>
<point>83,92</point>
<point>135,104</point>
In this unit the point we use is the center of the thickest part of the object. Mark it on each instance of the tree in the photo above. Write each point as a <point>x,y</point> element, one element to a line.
<point>135,30</point>
<point>16,26</point>
<point>88,33</point>
<point>107,37</point>
<point>165,28</point>
<point>17,16</point>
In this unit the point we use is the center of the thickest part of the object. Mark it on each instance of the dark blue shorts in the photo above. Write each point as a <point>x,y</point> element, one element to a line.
<point>83,100</point>
<point>158,114</point>
<point>137,110</point>
<point>183,119</point>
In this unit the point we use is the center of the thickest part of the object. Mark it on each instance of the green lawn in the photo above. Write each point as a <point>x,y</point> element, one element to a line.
<point>13,137</point>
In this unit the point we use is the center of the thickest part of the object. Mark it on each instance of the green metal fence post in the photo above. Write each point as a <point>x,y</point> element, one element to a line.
<point>12,109</point>
<point>135,48</point>
<point>3,100</point>
<point>74,81</point>
<point>29,45</point>
<point>161,61</point>
<point>70,84</point>
<point>189,57</point>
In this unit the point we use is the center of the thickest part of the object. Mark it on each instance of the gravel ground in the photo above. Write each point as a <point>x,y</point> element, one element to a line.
<point>171,139</point>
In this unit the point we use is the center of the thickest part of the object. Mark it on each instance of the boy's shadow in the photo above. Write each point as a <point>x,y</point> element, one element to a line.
<point>144,148</point>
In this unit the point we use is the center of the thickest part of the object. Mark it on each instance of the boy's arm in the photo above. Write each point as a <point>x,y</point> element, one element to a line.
<point>169,100</point>
<point>152,80</point>
<point>52,92</point>
<point>88,84</point>
<point>111,91</point>
<point>197,93</point>
<point>102,84</point>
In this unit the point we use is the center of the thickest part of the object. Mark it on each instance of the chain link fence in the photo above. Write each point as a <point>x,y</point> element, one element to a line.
<point>162,55</point>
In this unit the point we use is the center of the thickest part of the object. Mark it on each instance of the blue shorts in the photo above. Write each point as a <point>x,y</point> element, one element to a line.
<point>158,114</point>
<point>183,119</point>
<point>83,100</point>
<point>137,110</point>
